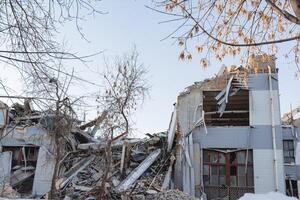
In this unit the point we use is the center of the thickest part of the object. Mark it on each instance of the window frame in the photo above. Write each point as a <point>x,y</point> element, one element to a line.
<point>228,166</point>
<point>290,158</point>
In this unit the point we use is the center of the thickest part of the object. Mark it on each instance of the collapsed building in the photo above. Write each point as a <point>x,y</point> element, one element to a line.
<point>27,154</point>
<point>225,139</point>
<point>31,168</point>
<point>25,151</point>
<point>229,135</point>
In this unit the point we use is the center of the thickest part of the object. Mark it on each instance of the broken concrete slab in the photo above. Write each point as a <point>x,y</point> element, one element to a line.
<point>5,167</point>
<point>137,172</point>
<point>61,183</point>
<point>20,176</point>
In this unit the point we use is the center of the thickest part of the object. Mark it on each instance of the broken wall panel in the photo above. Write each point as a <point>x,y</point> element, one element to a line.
<point>44,173</point>
<point>5,167</point>
<point>172,129</point>
<point>20,136</point>
<point>187,104</point>
<point>235,114</point>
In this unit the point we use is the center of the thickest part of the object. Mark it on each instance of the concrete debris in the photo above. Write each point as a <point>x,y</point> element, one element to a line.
<point>170,195</point>
<point>20,176</point>
<point>167,178</point>
<point>30,167</point>
<point>74,171</point>
<point>8,192</point>
<point>289,119</point>
<point>137,172</point>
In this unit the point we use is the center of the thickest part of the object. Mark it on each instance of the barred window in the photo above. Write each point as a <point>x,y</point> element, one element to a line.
<point>288,151</point>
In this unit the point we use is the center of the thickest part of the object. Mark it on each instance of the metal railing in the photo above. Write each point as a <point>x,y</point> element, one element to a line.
<point>226,192</point>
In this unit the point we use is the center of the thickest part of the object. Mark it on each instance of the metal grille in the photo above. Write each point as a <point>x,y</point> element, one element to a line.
<point>226,193</point>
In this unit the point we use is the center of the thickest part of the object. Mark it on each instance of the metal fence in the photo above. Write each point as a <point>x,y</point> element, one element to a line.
<point>226,193</point>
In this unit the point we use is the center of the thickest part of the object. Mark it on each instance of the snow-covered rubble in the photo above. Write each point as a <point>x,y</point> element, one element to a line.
<point>268,196</point>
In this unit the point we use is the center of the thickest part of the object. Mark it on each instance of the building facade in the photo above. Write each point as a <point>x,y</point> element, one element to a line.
<point>229,135</point>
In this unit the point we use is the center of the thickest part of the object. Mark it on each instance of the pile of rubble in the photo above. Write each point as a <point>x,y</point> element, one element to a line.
<point>170,195</point>
<point>9,192</point>
<point>137,169</point>
<point>131,169</point>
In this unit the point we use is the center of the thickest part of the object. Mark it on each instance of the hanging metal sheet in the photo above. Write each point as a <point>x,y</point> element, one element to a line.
<point>172,129</point>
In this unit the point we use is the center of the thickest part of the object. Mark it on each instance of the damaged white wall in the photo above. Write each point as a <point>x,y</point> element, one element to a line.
<point>188,112</point>
<point>43,173</point>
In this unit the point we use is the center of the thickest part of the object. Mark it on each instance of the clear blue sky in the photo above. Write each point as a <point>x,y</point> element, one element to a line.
<point>130,23</point>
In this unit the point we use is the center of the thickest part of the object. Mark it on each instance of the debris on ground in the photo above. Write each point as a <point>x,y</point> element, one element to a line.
<point>8,192</point>
<point>138,168</point>
<point>268,196</point>
<point>170,195</point>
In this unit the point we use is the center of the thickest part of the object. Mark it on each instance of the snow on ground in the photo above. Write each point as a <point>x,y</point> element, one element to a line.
<point>268,196</point>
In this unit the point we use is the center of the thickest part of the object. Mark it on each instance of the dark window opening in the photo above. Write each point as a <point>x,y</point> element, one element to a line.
<point>24,160</point>
<point>236,112</point>
<point>288,151</point>
<point>291,188</point>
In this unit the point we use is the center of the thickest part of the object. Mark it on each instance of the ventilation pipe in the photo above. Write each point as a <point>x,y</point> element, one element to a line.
<point>273,131</point>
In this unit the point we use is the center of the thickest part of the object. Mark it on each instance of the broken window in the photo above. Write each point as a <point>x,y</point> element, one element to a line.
<point>288,151</point>
<point>291,188</point>
<point>228,169</point>
<point>214,168</point>
<point>23,166</point>
<point>234,113</point>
